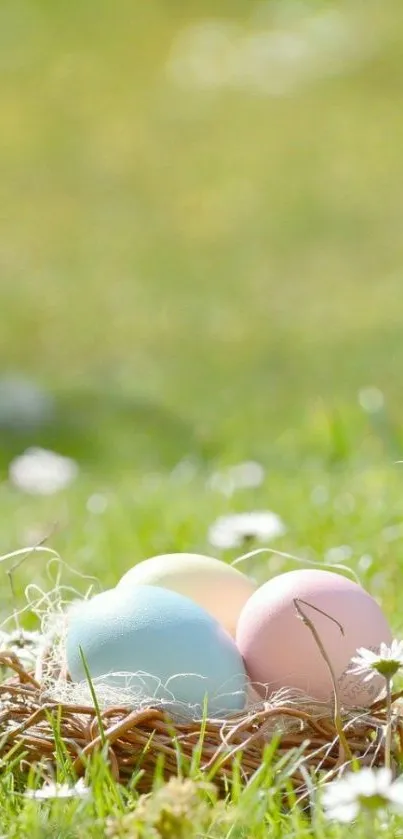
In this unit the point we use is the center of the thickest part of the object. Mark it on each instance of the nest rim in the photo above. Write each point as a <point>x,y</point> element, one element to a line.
<point>142,737</point>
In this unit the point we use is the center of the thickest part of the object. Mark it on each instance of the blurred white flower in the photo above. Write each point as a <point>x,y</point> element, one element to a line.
<point>394,531</point>
<point>271,63</point>
<point>53,790</point>
<point>41,472</point>
<point>368,789</point>
<point>340,553</point>
<point>319,495</point>
<point>371,399</point>
<point>97,503</point>
<point>235,530</point>
<point>268,60</point>
<point>365,562</point>
<point>25,645</point>
<point>184,472</point>
<point>247,475</point>
<point>386,662</point>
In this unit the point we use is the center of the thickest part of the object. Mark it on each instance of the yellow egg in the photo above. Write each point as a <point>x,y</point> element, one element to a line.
<point>216,586</point>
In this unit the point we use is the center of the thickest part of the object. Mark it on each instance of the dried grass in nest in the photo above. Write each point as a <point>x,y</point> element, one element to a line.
<point>140,738</point>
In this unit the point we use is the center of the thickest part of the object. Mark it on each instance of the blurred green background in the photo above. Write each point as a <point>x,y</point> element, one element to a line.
<point>201,261</point>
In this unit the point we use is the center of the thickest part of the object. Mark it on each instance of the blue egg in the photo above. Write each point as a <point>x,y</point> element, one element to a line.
<point>172,646</point>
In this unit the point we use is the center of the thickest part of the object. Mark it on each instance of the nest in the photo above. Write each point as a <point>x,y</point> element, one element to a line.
<point>140,739</point>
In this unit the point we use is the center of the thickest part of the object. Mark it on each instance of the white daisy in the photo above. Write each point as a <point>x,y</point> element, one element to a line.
<point>371,399</point>
<point>368,789</point>
<point>41,472</point>
<point>235,530</point>
<point>386,662</point>
<point>53,790</point>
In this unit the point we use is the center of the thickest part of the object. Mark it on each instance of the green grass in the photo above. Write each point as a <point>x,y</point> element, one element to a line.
<point>211,275</point>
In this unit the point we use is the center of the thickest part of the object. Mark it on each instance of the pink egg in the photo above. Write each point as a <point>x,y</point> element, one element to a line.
<point>280,651</point>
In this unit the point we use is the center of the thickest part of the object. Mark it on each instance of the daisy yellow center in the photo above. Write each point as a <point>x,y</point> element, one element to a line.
<point>376,801</point>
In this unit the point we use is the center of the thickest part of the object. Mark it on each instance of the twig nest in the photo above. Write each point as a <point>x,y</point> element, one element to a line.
<point>147,737</point>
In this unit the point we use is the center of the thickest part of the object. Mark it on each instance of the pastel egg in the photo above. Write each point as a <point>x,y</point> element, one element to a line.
<point>216,586</point>
<point>173,649</point>
<point>279,650</point>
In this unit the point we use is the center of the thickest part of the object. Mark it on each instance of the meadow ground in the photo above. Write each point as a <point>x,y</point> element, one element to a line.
<point>201,259</point>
